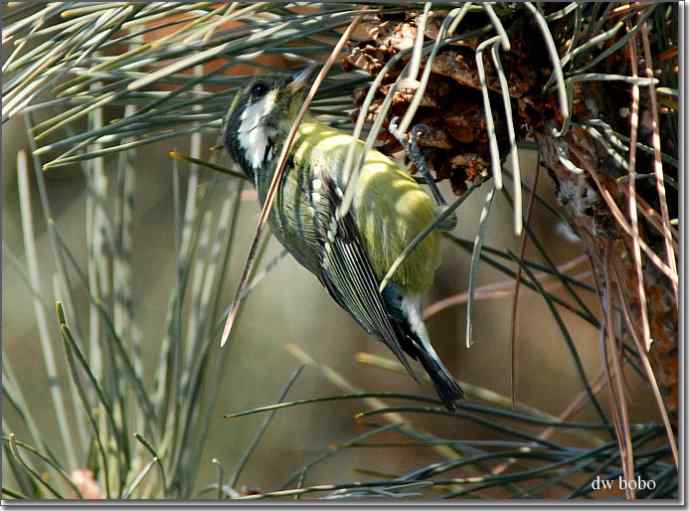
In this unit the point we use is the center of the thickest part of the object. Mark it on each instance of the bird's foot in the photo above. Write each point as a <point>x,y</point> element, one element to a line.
<point>416,156</point>
<point>450,222</point>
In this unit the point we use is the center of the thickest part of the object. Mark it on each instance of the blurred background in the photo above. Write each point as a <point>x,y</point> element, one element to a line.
<point>288,307</point>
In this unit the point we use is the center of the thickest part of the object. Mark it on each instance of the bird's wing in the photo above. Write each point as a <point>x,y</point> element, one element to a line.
<point>349,276</point>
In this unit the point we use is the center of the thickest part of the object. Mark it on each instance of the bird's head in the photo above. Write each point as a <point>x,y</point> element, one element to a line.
<point>261,119</point>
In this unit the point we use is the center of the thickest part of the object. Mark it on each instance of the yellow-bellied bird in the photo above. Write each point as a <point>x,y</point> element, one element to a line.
<point>349,255</point>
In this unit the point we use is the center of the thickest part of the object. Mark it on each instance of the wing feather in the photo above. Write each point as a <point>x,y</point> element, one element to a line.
<point>348,275</point>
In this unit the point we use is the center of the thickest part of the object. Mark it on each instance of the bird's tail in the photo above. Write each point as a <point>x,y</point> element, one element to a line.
<point>406,312</point>
<point>446,387</point>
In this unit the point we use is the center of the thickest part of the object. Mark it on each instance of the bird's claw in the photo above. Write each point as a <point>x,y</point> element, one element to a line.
<point>450,222</point>
<point>414,153</point>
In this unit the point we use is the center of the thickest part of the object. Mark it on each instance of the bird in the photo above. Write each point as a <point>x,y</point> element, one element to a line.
<point>348,253</point>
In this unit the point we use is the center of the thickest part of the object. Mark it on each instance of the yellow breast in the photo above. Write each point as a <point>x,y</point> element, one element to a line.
<point>390,207</point>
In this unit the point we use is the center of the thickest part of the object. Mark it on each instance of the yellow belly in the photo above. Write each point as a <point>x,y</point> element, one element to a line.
<point>390,207</point>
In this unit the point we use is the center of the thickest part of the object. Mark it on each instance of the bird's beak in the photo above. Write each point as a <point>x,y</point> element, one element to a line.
<point>301,79</point>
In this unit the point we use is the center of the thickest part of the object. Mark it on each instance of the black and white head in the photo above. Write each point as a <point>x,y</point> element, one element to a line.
<point>257,126</point>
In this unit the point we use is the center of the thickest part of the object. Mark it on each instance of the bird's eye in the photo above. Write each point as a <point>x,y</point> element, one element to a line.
<point>259,89</point>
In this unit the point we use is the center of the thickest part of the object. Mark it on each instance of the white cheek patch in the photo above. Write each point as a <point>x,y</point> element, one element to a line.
<point>253,136</point>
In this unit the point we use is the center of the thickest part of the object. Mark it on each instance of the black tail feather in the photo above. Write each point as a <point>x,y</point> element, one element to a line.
<point>446,387</point>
